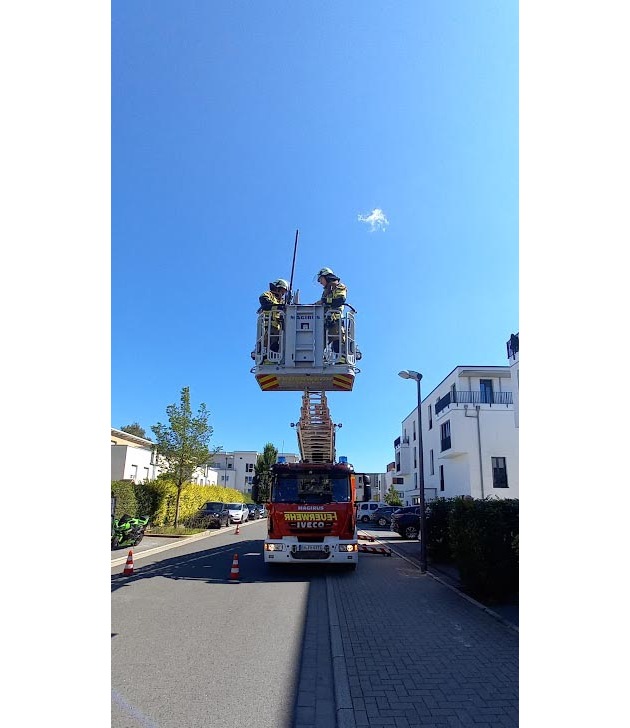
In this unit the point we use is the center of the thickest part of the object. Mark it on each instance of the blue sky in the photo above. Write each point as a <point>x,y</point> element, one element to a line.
<point>233,124</point>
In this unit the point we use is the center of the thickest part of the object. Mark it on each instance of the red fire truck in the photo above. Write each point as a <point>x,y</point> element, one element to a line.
<point>311,504</point>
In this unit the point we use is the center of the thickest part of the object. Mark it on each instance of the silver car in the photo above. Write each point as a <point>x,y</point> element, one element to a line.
<point>239,512</point>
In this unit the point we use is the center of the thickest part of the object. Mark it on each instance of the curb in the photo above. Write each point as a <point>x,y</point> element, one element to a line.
<point>343,700</point>
<point>477,604</point>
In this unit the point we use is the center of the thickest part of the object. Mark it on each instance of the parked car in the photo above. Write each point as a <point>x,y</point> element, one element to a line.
<point>263,510</point>
<point>365,510</point>
<point>213,515</point>
<point>239,512</point>
<point>254,511</point>
<point>406,522</point>
<point>382,516</point>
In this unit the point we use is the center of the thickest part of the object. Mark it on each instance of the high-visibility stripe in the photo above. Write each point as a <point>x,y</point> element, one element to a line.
<point>267,381</point>
<point>343,381</point>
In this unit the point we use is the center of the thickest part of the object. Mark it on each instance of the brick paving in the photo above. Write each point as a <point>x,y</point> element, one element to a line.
<point>418,655</point>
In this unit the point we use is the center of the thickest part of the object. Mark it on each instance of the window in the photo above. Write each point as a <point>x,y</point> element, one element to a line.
<point>453,393</point>
<point>415,458</point>
<point>430,418</point>
<point>398,481</point>
<point>445,435</point>
<point>415,480</point>
<point>441,477</point>
<point>249,468</point>
<point>485,386</point>
<point>432,463</point>
<point>230,465</point>
<point>414,429</point>
<point>499,473</point>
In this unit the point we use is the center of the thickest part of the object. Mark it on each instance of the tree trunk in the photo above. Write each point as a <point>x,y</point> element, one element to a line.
<point>179,492</point>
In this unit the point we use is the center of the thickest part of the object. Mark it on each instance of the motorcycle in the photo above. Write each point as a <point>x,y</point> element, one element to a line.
<point>128,531</point>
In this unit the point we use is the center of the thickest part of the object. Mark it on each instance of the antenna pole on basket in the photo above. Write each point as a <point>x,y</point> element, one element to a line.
<point>290,296</point>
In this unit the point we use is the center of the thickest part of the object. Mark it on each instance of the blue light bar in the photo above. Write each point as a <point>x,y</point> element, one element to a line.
<point>343,459</point>
<point>282,459</point>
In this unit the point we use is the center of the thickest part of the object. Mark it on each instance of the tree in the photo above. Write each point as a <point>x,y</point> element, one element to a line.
<point>183,445</point>
<point>134,429</point>
<point>262,468</point>
<point>392,498</point>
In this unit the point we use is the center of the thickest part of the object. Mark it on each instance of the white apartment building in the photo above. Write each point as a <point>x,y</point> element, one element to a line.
<point>469,439</point>
<point>236,469</point>
<point>395,478</point>
<point>512,353</point>
<point>133,457</point>
<point>377,481</point>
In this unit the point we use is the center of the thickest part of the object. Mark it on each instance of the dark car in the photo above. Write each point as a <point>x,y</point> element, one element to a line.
<point>213,515</point>
<point>254,511</point>
<point>406,522</point>
<point>383,515</point>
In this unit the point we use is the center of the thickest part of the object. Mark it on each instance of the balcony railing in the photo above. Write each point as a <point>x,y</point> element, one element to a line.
<point>445,443</point>
<point>398,440</point>
<point>486,397</point>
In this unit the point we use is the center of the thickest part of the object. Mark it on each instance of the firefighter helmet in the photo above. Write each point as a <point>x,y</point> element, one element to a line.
<point>326,272</point>
<point>280,283</point>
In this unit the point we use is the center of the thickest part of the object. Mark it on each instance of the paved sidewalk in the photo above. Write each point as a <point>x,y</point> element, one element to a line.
<point>417,654</point>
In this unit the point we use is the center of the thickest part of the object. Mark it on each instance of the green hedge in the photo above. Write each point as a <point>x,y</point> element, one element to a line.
<point>124,492</point>
<point>483,538</point>
<point>157,498</point>
<point>437,528</point>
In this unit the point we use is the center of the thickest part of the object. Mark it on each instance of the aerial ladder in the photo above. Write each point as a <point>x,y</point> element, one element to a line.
<point>311,504</point>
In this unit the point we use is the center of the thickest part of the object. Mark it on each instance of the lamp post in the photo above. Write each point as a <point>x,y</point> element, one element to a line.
<point>410,374</point>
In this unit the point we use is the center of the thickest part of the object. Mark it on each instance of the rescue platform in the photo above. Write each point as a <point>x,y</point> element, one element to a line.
<point>305,348</point>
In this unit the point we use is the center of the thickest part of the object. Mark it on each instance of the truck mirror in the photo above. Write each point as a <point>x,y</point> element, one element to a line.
<point>367,493</point>
<point>366,479</point>
<point>255,493</point>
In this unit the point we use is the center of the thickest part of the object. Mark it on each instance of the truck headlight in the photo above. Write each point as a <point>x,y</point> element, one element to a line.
<point>348,547</point>
<point>274,547</point>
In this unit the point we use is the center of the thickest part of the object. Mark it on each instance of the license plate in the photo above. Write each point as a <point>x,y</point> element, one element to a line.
<point>311,547</point>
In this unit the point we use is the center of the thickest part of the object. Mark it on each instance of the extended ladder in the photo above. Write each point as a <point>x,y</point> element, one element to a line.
<point>315,429</point>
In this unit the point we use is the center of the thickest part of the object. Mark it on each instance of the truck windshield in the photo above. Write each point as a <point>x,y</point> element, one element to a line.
<point>311,488</point>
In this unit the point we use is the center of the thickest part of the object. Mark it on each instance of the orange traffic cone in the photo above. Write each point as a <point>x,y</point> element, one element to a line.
<point>129,565</point>
<point>236,533</point>
<point>235,572</point>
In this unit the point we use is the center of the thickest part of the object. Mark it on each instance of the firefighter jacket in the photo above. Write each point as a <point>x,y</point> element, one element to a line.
<point>271,301</point>
<point>334,296</point>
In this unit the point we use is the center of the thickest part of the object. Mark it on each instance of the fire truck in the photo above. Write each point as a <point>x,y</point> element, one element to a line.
<point>310,504</point>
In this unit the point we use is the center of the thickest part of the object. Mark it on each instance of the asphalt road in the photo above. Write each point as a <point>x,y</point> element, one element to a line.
<point>190,648</point>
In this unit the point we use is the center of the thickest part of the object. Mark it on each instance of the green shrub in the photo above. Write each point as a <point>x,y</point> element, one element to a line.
<point>192,498</point>
<point>437,529</point>
<point>124,492</point>
<point>482,534</point>
<point>156,499</point>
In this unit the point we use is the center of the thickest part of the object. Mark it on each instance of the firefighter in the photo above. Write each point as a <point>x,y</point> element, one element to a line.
<point>273,301</point>
<point>333,297</point>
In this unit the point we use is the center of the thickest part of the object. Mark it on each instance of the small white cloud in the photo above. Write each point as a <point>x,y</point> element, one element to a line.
<point>376,220</point>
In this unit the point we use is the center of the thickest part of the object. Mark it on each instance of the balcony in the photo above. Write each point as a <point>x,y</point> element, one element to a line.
<point>399,440</point>
<point>512,346</point>
<point>490,398</point>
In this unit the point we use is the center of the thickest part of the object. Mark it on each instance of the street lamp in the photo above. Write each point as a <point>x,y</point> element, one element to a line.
<point>410,374</point>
